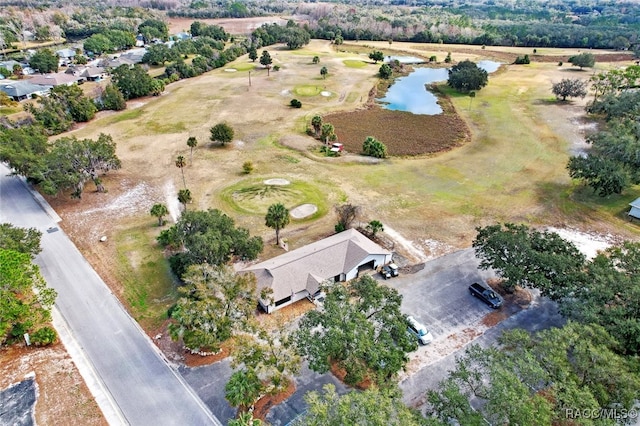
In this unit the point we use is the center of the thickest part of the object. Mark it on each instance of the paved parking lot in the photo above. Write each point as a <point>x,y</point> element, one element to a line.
<point>437,295</point>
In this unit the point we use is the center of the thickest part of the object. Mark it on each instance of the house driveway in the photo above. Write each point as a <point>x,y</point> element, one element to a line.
<point>437,296</point>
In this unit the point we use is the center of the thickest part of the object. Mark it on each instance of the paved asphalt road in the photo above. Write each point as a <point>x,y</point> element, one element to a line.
<point>138,381</point>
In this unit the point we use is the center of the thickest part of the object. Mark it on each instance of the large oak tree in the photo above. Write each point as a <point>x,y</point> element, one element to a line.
<point>215,302</point>
<point>361,329</point>
<point>535,379</point>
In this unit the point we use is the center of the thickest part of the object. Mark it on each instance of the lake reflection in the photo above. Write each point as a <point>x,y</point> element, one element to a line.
<point>410,94</point>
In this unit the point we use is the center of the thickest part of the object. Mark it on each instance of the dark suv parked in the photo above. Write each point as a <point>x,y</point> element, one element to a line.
<point>488,296</point>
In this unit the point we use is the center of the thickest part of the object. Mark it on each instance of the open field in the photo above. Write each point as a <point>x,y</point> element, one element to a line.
<point>512,167</point>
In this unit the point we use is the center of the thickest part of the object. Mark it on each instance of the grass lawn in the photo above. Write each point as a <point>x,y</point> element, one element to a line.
<point>149,289</point>
<point>8,110</point>
<point>354,63</point>
<point>512,167</point>
<point>253,196</point>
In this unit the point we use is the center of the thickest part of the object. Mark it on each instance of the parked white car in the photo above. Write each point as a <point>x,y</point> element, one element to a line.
<point>419,330</point>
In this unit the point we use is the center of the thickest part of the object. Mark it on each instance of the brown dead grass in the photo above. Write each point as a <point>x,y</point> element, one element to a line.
<point>403,133</point>
<point>230,25</point>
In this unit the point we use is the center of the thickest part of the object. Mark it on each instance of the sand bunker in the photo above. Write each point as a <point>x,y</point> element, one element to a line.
<point>231,70</point>
<point>281,182</point>
<point>304,210</point>
<point>325,93</point>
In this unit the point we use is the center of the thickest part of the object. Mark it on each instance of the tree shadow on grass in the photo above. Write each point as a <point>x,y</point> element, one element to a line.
<point>576,202</point>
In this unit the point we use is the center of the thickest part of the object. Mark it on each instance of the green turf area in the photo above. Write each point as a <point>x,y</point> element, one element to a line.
<point>144,273</point>
<point>253,196</point>
<point>307,90</point>
<point>354,63</point>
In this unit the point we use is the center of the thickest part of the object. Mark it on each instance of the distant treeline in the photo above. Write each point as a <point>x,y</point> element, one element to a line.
<point>575,24</point>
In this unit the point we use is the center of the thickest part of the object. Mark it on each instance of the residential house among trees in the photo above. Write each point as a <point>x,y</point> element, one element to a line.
<point>299,273</point>
<point>65,56</point>
<point>86,73</point>
<point>54,79</point>
<point>21,89</point>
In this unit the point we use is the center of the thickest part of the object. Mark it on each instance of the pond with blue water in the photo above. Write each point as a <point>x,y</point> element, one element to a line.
<point>410,94</point>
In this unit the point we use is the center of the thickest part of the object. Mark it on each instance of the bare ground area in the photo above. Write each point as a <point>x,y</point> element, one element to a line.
<point>230,25</point>
<point>63,397</point>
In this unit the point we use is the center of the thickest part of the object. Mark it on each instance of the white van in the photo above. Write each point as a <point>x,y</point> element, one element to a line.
<point>419,330</point>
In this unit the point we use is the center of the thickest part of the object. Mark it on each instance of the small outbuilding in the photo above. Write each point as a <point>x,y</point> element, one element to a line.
<point>635,208</point>
<point>299,273</point>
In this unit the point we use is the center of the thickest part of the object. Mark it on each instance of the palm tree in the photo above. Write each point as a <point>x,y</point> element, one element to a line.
<point>374,227</point>
<point>159,211</point>
<point>277,218</point>
<point>243,389</point>
<point>328,131</point>
<point>316,122</point>
<point>180,163</point>
<point>192,142</point>
<point>184,196</point>
<point>323,72</point>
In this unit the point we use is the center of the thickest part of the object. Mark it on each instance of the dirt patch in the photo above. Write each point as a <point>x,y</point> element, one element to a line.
<point>267,402</point>
<point>402,132</point>
<point>63,397</point>
<point>282,317</point>
<point>341,373</point>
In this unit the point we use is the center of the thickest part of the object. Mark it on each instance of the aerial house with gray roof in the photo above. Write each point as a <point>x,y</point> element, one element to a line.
<point>299,273</point>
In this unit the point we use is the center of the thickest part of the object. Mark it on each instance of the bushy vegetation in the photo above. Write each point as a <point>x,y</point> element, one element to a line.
<point>467,76</point>
<point>602,291</point>
<point>66,164</point>
<point>611,164</point>
<point>207,237</point>
<point>361,329</point>
<point>25,299</point>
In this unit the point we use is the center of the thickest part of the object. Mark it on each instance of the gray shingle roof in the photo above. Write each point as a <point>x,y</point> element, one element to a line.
<point>20,88</point>
<point>53,79</point>
<point>308,266</point>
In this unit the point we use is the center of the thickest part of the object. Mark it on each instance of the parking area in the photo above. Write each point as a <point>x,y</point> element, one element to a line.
<point>438,297</point>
